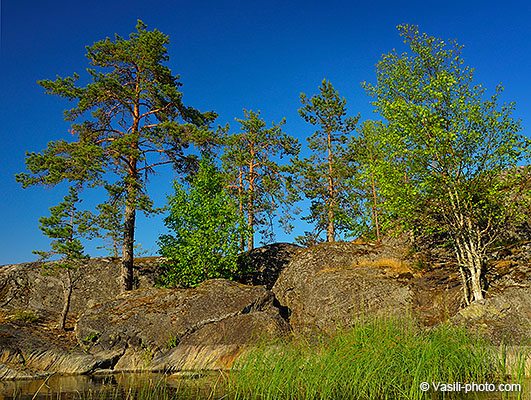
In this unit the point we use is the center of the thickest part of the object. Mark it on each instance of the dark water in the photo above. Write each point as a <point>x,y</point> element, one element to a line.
<point>117,386</point>
<point>149,386</point>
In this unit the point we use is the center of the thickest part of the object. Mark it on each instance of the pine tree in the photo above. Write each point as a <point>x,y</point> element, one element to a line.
<point>262,186</point>
<point>66,225</point>
<point>134,121</point>
<point>369,154</point>
<point>324,176</point>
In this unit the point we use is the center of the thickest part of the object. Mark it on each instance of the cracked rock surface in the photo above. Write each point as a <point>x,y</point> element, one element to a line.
<point>175,329</point>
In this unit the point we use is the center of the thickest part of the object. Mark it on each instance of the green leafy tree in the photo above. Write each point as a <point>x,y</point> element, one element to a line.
<point>205,230</point>
<point>127,121</point>
<point>324,176</point>
<point>262,186</point>
<point>449,145</point>
<point>66,225</point>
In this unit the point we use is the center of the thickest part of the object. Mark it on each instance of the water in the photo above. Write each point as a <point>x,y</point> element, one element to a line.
<point>150,386</point>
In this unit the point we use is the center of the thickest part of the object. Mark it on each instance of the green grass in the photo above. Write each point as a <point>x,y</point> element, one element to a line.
<point>379,359</point>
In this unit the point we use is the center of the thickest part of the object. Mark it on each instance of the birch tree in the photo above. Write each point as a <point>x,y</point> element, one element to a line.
<point>453,142</point>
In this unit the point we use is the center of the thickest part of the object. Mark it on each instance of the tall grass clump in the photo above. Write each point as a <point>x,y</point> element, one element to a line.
<point>377,359</point>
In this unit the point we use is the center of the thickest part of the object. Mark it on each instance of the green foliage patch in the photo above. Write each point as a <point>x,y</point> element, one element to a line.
<point>206,231</point>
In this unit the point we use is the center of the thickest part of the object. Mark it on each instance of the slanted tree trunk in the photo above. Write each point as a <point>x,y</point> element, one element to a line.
<point>67,293</point>
<point>469,247</point>
<point>464,282</point>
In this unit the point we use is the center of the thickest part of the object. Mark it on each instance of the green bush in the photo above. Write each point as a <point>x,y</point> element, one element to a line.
<point>205,231</point>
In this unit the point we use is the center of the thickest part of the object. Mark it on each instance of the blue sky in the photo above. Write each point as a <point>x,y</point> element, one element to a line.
<point>231,55</point>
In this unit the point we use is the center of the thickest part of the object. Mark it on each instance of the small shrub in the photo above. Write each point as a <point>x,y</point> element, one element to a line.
<point>27,317</point>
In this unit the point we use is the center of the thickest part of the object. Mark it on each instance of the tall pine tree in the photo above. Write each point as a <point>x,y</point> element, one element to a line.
<point>324,176</point>
<point>127,121</point>
<point>262,186</point>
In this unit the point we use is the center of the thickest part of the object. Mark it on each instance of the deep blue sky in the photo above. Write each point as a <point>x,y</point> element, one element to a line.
<point>230,55</point>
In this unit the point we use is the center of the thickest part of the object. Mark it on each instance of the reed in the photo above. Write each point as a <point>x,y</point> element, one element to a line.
<point>378,359</point>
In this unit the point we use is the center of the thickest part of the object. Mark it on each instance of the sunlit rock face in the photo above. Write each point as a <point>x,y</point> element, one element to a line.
<point>175,329</point>
<point>333,285</point>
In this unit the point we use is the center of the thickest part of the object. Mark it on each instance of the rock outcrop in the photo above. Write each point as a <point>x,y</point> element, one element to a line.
<point>502,318</point>
<point>32,348</point>
<point>505,313</point>
<point>175,329</point>
<point>321,289</point>
<point>333,284</point>
<point>263,265</point>
<point>24,286</point>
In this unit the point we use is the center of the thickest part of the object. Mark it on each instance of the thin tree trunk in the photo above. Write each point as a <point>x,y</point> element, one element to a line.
<point>250,205</point>
<point>330,229</point>
<point>250,222</point>
<point>240,200</point>
<point>67,293</point>
<point>375,209</point>
<point>464,282</point>
<point>469,257</point>
<point>475,283</point>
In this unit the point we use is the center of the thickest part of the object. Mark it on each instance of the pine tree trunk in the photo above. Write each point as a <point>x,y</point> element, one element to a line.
<point>67,293</point>
<point>129,228</point>
<point>128,247</point>
<point>250,223</point>
<point>240,201</point>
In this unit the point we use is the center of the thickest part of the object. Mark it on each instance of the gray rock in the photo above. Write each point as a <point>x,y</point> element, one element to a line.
<point>263,265</point>
<point>24,286</point>
<point>502,318</point>
<point>334,284</point>
<point>174,329</point>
